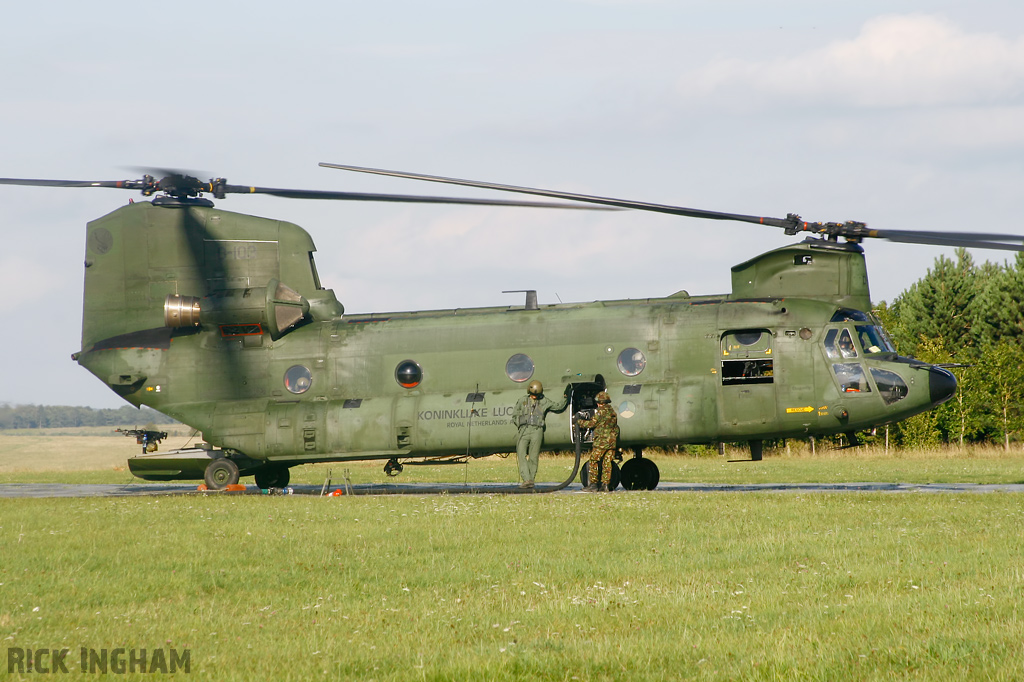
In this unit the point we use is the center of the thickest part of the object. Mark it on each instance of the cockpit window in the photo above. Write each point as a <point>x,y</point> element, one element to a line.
<point>888,339</point>
<point>874,340</point>
<point>851,378</point>
<point>891,385</point>
<point>850,315</point>
<point>839,344</point>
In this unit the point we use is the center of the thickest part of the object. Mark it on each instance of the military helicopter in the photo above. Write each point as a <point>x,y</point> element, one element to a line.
<point>219,320</point>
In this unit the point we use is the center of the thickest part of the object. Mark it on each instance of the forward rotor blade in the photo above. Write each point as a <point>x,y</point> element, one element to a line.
<point>967,240</point>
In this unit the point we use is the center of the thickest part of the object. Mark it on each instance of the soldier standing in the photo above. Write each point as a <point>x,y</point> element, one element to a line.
<point>528,416</point>
<point>606,433</point>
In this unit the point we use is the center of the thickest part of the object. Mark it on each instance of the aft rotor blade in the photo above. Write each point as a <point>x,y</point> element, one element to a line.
<point>587,198</point>
<point>179,184</point>
<point>398,198</point>
<point>792,223</point>
<point>119,184</point>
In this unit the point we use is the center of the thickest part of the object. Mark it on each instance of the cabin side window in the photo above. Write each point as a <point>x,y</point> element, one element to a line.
<point>840,348</point>
<point>891,385</point>
<point>747,357</point>
<point>839,344</point>
<point>851,377</point>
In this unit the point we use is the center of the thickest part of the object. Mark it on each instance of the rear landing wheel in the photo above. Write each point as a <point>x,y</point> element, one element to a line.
<point>220,473</point>
<point>274,477</point>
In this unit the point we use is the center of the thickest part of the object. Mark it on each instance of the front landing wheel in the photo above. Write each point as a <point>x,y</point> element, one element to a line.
<point>640,473</point>
<point>220,473</point>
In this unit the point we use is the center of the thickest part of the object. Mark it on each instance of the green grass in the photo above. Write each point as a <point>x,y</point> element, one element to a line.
<point>53,458</point>
<point>65,456</point>
<point>638,586</point>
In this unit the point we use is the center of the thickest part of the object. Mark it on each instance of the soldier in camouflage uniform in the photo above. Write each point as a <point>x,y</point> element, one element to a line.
<point>606,435</point>
<point>528,416</point>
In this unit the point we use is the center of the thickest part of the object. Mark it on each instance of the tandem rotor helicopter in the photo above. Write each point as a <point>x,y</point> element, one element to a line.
<point>220,321</point>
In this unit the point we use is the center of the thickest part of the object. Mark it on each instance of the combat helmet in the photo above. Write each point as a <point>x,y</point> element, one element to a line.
<point>535,388</point>
<point>603,397</point>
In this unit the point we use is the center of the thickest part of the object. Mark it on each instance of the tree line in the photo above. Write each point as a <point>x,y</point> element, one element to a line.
<point>971,317</point>
<point>56,416</point>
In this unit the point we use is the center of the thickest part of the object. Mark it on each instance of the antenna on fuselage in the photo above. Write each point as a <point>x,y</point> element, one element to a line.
<point>531,297</point>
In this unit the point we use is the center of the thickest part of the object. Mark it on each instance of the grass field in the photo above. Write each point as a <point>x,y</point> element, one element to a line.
<point>637,586</point>
<point>90,456</point>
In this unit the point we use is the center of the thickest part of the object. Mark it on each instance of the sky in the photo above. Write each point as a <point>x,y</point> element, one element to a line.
<point>903,114</point>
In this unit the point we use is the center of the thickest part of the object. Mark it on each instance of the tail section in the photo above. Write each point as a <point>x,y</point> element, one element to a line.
<point>162,270</point>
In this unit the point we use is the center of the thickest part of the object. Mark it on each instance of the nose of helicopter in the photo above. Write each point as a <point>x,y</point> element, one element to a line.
<point>941,385</point>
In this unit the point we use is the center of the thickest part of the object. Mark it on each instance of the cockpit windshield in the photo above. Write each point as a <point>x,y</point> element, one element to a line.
<point>872,337</point>
<point>850,315</point>
<point>874,340</point>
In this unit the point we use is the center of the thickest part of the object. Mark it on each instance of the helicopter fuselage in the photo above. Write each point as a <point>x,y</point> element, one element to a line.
<point>218,320</point>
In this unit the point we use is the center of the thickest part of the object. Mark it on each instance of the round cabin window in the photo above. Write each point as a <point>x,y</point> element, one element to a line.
<point>519,368</point>
<point>298,379</point>
<point>631,362</point>
<point>408,374</point>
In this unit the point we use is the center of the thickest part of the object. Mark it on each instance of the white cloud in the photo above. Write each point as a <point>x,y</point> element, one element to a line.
<point>895,61</point>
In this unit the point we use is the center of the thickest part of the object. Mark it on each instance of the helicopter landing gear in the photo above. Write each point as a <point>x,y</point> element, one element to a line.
<point>220,473</point>
<point>272,477</point>
<point>639,473</point>
<point>393,467</point>
<point>756,450</point>
<point>616,475</point>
